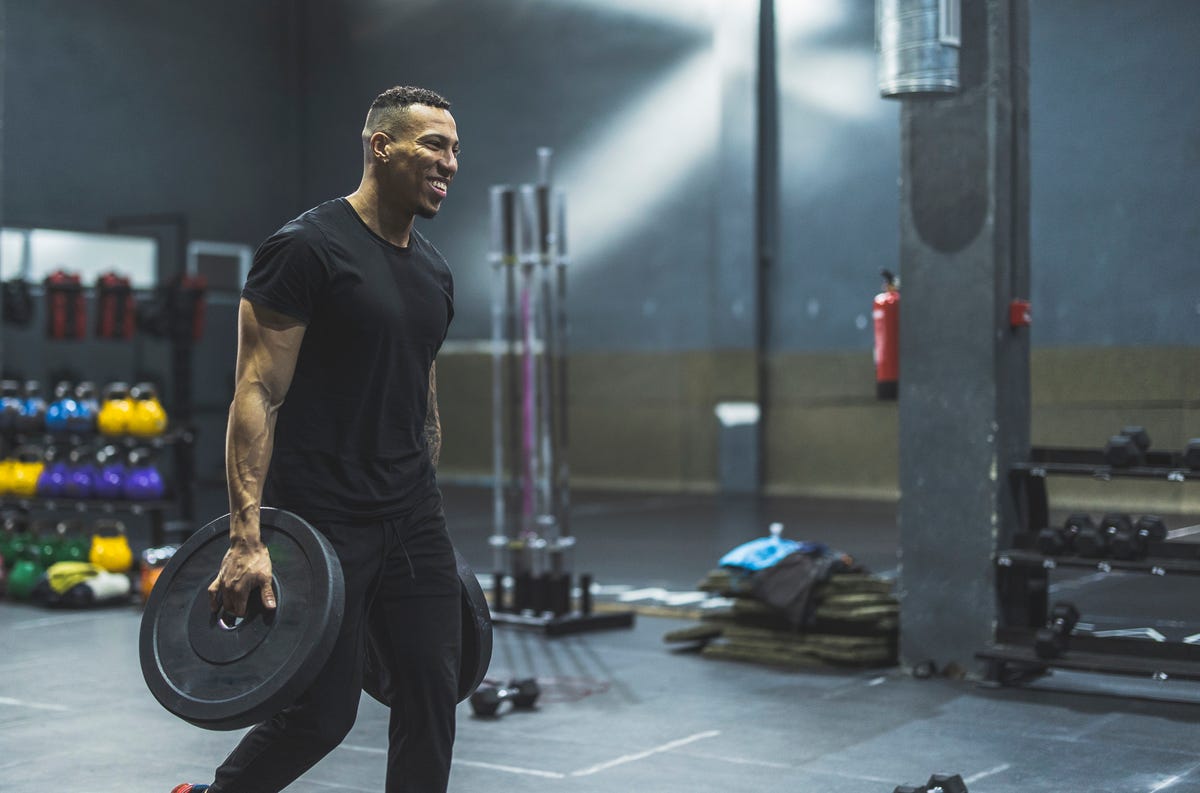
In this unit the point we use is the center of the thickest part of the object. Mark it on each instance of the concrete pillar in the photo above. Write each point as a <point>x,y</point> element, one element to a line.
<point>964,377</point>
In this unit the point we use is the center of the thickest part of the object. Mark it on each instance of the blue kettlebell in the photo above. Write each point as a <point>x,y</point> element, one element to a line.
<point>52,483</point>
<point>10,405</point>
<point>82,474</point>
<point>62,411</point>
<point>110,484</point>
<point>143,482</point>
<point>32,418</point>
<point>88,407</point>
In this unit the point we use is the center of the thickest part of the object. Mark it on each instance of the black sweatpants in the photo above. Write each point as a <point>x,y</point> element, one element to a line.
<point>402,586</point>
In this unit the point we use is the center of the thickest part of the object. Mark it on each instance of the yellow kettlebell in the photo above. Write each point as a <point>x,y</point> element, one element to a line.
<point>148,419</point>
<point>24,472</point>
<point>110,548</point>
<point>8,471</point>
<point>116,411</point>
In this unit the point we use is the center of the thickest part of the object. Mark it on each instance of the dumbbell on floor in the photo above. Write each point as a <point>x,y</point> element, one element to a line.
<point>523,694</point>
<point>1133,542</point>
<point>1051,641</point>
<point>938,783</point>
<point>1127,448</point>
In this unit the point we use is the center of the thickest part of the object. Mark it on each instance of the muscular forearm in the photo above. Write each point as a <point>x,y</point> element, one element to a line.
<point>248,443</point>
<point>433,422</point>
<point>433,433</point>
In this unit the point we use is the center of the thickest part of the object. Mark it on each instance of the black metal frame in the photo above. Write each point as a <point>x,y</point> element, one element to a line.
<point>1022,578</point>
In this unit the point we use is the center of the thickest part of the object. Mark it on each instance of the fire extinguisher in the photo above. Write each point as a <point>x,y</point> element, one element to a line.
<point>886,313</point>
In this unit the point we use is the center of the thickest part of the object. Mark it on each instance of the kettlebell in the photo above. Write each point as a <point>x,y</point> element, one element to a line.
<point>23,578</point>
<point>8,473</point>
<point>84,420</point>
<point>81,473</point>
<point>10,405</point>
<point>116,410</point>
<point>25,471</point>
<point>32,418</point>
<point>75,547</point>
<point>110,547</point>
<point>149,419</point>
<point>52,483</point>
<point>110,479</point>
<point>143,482</point>
<point>62,412</point>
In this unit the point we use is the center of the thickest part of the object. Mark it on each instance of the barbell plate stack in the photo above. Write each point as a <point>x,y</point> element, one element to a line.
<point>223,677</point>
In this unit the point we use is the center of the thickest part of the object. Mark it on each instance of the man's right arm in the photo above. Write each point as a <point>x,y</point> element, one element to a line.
<point>268,348</point>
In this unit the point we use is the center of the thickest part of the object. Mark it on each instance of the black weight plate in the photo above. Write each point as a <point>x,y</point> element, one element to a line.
<point>476,642</point>
<point>226,678</point>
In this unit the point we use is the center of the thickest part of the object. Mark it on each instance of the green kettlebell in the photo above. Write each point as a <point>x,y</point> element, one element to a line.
<point>23,579</point>
<point>20,546</point>
<point>75,549</point>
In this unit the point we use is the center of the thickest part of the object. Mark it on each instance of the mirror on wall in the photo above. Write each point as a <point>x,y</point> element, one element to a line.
<point>32,254</point>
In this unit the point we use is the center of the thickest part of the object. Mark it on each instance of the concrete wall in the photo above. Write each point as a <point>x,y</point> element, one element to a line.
<point>242,114</point>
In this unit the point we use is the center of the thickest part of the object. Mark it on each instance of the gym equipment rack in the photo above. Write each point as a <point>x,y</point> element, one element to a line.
<point>1022,578</point>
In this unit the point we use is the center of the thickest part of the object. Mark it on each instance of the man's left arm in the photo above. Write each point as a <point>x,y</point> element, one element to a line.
<point>433,423</point>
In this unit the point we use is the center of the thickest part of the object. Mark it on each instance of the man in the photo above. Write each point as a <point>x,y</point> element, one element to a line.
<point>343,313</point>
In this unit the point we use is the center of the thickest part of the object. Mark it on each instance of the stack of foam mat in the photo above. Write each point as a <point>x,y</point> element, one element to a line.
<point>854,622</point>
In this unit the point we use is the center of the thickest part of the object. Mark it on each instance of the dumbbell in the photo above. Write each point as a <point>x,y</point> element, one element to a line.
<point>1191,457</point>
<point>1095,542</point>
<point>1053,541</point>
<point>1127,448</point>
<point>1051,641</point>
<point>1132,542</point>
<point>938,783</point>
<point>523,694</point>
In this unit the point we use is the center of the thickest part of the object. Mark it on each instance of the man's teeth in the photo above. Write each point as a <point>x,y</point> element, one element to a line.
<point>440,185</point>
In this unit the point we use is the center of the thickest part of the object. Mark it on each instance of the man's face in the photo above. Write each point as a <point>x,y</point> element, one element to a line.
<point>424,160</point>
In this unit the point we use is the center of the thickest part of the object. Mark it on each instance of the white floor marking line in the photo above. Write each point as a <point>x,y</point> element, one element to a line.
<point>742,761</point>
<point>471,763</point>
<point>511,769</point>
<point>1186,531</point>
<point>971,780</point>
<point>1166,783</point>
<point>20,703</point>
<point>879,681</point>
<point>629,758</point>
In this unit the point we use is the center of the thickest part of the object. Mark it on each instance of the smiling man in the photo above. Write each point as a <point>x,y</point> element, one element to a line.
<point>334,417</point>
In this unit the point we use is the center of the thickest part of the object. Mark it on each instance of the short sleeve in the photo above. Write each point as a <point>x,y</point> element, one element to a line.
<point>288,274</point>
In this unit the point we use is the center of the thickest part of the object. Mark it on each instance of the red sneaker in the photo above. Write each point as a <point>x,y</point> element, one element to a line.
<point>187,788</point>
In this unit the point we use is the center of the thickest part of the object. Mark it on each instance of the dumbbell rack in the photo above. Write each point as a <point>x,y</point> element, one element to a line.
<point>1022,578</point>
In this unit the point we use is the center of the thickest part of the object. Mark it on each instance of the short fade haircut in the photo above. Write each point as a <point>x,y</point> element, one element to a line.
<point>388,106</point>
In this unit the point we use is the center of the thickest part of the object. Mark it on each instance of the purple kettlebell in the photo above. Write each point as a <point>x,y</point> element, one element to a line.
<point>81,479</point>
<point>143,482</point>
<point>52,481</point>
<point>110,484</point>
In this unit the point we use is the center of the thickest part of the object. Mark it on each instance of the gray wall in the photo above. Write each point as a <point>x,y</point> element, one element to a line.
<point>137,106</point>
<point>240,115</point>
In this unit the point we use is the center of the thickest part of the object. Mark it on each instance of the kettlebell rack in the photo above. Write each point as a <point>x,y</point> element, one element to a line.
<point>532,544</point>
<point>1023,572</point>
<point>173,312</point>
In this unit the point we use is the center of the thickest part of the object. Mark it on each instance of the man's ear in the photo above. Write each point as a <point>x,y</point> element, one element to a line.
<point>381,145</point>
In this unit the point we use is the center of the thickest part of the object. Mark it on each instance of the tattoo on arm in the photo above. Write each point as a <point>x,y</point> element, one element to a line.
<point>433,423</point>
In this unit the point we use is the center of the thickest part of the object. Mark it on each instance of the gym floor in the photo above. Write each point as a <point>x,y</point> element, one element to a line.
<point>622,711</point>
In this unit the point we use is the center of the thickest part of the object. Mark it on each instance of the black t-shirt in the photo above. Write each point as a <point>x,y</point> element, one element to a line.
<point>349,440</point>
